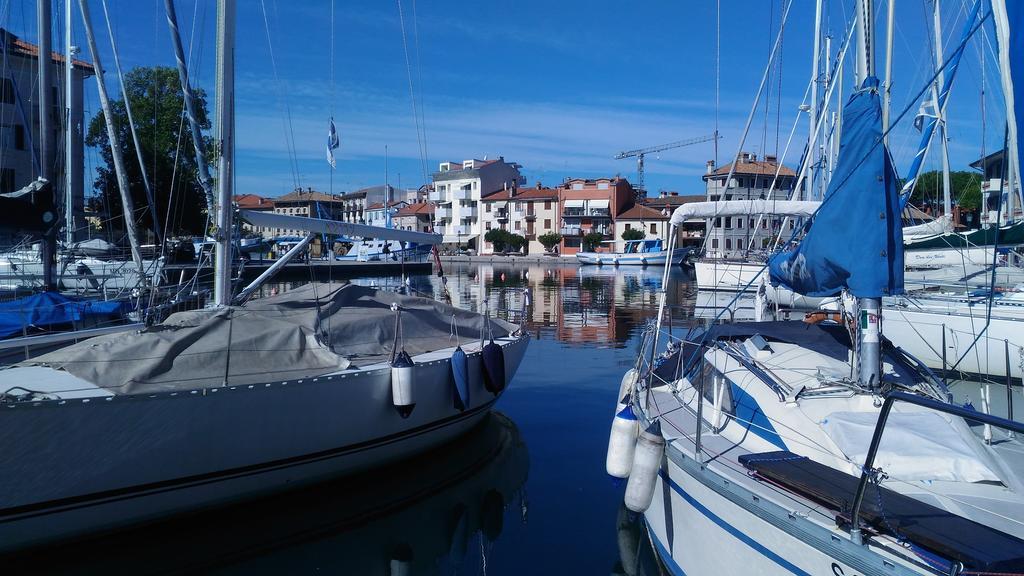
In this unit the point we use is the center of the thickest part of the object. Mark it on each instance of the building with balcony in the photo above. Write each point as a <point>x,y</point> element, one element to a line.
<point>993,193</point>
<point>19,130</point>
<point>355,203</point>
<point>457,190</point>
<point>529,212</point>
<point>418,216</point>
<point>590,206</point>
<point>377,215</point>
<point>735,236</point>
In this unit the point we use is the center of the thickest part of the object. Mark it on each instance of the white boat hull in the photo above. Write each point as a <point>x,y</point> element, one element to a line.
<point>733,275</point>
<point>920,333</point>
<point>723,535</point>
<point>83,466</point>
<point>643,259</point>
<point>981,256</point>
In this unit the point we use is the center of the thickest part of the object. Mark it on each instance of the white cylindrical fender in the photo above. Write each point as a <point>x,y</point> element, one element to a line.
<point>650,448</point>
<point>622,443</point>
<point>643,261</point>
<point>626,388</point>
<point>401,384</point>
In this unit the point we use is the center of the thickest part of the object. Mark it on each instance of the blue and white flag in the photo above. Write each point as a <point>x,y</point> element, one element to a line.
<point>332,143</point>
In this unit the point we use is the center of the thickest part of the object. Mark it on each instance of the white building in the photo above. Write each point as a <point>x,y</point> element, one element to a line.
<point>376,215</point>
<point>653,223</point>
<point>735,236</point>
<point>458,188</point>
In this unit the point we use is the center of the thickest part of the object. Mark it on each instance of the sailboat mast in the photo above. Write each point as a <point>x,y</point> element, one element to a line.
<point>870,309</point>
<point>43,17</point>
<point>225,136</point>
<point>812,141</point>
<point>127,204</point>
<point>940,109</point>
<point>69,131</point>
<point>890,25</point>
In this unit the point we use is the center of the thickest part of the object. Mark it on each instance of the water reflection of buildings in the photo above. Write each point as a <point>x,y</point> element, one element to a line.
<point>585,305</point>
<point>568,303</point>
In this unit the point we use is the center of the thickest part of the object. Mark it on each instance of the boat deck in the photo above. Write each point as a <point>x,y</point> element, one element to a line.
<point>824,496</point>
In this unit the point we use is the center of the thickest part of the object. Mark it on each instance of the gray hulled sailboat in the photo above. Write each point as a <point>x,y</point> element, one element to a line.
<point>240,399</point>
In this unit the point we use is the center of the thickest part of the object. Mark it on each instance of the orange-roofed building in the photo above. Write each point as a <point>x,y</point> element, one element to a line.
<point>19,131</point>
<point>734,236</point>
<point>418,217</point>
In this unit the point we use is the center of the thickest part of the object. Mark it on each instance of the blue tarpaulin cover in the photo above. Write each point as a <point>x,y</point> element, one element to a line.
<point>52,309</point>
<point>855,240</point>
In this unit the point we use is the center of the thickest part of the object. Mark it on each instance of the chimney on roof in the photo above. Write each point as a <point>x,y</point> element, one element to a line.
<point>538,185</point>
<point>661,194</point>
<point>710,166</point>
<point>771,158</point>
<point>674,194</point>
<point>747,157</point>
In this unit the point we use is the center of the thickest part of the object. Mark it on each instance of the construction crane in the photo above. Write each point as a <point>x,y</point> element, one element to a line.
<point>642,151</point>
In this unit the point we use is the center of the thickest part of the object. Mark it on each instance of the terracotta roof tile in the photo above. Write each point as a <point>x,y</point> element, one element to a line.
<point>641,212</point>
<point>756,167</point>
<point>523,194</point>
<point>420,208</point>
<point>24,48</point>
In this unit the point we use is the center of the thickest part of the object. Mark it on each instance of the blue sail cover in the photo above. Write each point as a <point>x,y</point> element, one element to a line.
<point>49,309</point>
<point>855,240</point>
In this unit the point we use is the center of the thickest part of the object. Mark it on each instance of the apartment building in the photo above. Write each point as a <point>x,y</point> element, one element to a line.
<point>308,203</point>
<point>590,206</point>
<point>691,232</point>
<point>19,126</point>
<point>653,223</point>
<point>994,194</point>
<point>255,203</point>
<point>529,212</point>
<point>377,215</point>
<point>458,188</point>
<point>418,216</point>
<point>734,236</point>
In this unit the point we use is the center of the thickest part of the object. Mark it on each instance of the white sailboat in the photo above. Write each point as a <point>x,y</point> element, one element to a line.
<point>786,447</point>
<point>244,398</point>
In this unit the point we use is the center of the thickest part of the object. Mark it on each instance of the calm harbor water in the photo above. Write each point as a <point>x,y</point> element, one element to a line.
<point>525,493</point>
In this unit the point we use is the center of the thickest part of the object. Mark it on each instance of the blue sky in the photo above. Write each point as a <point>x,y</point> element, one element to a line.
<point>559,87</point>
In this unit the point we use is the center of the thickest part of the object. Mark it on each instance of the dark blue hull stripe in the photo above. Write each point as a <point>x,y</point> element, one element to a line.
<point>739,535</point>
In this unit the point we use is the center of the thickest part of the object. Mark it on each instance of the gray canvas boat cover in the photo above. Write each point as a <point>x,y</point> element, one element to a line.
<point>312,330</point>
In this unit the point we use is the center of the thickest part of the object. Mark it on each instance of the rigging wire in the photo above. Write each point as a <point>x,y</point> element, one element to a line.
<point>412,93</point>
<point>286,112</point>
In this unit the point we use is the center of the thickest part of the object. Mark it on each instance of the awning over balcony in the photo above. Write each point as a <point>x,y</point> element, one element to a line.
<point>574,203</point>
<point>599,204</point>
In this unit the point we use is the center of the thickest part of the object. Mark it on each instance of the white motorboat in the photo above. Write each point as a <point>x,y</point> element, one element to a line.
<point>635,253</point>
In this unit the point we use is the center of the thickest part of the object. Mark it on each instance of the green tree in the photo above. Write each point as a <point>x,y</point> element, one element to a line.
<point>549,240</point>
<point>633,234</point>
<point>498,238</point>
<point>965,189</point>
<point>516,242</point>
<point>592,240</point>
<point>157,103</point>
